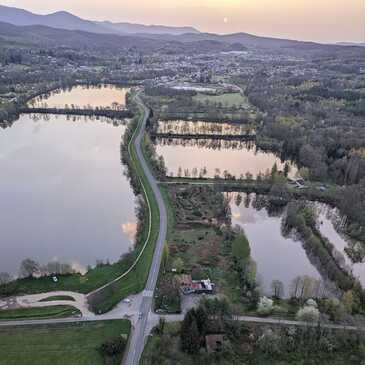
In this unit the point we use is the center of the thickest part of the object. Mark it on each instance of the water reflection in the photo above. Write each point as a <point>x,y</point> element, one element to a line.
<point>217,157</point>
<point>330,225</point>
<point>201,127</point>
<point>63,192</point>
<point>83,96</point>
<point>277,257</point>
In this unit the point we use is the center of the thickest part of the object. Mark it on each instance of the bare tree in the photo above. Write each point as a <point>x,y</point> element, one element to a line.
<point>4,278</point>
<point>277,288</point>
<point>28,267</point>
<point>295,287</point>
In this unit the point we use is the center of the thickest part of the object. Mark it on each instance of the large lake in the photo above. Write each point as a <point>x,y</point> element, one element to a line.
<point>82,96</point>
<point>63,192</point>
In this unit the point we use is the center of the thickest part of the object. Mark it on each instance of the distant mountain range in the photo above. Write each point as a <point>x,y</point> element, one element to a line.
<point>351,44</point>
<point>65,20</point>
<point>65,29</point>
<point>43,36</point>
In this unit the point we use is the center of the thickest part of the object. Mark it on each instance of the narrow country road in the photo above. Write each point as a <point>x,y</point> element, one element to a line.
<point>154,319</point>
<point>140,331</point>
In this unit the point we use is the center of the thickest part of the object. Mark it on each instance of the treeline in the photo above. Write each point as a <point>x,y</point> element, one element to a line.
<point>211,335</point>
<point>325,92</point>
<point>352,205</point>
<point>157,162</point>
<point>168,91</point>
<point>112,114</point>
<point>244,267</point>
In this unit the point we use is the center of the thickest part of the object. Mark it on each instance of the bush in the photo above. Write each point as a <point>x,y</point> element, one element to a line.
<point>308,314</point>
<point>113,347</point>
<point>265,306</point>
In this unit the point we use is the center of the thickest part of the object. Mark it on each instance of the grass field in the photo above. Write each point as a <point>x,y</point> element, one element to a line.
<point>61,344</point>
<point>59,311</point>
<point>228,100</point>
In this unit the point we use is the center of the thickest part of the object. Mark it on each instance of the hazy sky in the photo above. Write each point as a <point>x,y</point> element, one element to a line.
<point>320,20</point>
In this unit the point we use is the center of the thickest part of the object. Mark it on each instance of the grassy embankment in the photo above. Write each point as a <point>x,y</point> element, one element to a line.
<point>58,297</point>
<point>59,311</point>
<point>60,344</point>
<point>101,275</point>
<point>313,191</point>
<point>135,281</point>
<point>170,303</point>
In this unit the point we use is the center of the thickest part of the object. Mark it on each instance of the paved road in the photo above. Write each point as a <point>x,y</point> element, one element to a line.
<point>154,318</point>
<point>140,333</point>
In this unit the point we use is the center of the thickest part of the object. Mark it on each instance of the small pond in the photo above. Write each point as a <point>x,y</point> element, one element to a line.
<point>329,223</point>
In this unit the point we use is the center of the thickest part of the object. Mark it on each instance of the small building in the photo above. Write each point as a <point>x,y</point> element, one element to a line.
<point>189,286</point>
<point>214,343</point>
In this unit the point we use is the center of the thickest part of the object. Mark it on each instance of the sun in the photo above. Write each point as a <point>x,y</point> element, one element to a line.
<point>225,20</point>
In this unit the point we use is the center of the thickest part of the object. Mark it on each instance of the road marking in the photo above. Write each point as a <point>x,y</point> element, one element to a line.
<point>148,293</point>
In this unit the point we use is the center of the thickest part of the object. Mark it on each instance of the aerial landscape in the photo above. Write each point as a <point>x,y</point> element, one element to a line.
<point>182,182</point>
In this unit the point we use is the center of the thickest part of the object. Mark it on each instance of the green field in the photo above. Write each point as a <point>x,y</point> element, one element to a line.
<point>58,311</point>
<point>61,344</point>
<point>228,100</point>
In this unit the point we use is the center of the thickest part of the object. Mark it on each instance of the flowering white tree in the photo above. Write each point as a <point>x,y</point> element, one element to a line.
<point>308,314</point>
<point>265,306</point>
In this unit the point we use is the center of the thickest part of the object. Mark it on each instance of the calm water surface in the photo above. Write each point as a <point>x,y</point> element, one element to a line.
<point>328,221</point>
<point>84,96</point>
<point>277,257</point>
<point>217,156</point>
<point>201,127</point>
<point>63,193</point>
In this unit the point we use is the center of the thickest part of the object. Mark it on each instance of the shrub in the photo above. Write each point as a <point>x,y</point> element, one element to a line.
<point>265,306</point>
<point>308,314</point>
<point>113,347</point>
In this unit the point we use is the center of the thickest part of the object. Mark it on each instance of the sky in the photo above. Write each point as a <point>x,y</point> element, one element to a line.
<point>317,20</point>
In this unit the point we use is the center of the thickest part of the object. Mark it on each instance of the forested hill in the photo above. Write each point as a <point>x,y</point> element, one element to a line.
<point>66,20</point>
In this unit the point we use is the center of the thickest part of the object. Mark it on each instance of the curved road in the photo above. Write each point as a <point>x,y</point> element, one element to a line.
<point>140,331</point>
